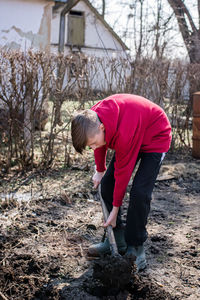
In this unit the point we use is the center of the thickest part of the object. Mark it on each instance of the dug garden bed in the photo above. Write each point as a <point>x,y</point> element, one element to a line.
<point>47,226</point>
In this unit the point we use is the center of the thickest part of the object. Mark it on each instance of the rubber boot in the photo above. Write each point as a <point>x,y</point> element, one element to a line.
<point>103,248</point>
<point>139,253</point>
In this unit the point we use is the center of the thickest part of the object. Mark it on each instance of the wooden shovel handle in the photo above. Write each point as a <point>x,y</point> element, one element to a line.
<point>111,237</point>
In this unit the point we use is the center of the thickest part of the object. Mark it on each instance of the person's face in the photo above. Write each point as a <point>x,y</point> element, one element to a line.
<point>98,140</point>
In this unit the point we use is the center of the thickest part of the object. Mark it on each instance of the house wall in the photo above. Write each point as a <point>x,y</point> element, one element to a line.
<point>98,40</point>
<point>25,24</point>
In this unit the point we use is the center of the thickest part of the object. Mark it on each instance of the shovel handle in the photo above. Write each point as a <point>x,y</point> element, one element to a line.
<point>111,237</point>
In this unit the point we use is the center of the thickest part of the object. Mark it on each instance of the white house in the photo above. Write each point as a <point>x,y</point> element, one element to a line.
<point>74,25</point>
<point>67,26</point>
<point>77,27</point>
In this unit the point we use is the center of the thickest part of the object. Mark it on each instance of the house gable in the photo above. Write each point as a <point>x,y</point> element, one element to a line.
<point>102,20</point>
<point>98,34</point>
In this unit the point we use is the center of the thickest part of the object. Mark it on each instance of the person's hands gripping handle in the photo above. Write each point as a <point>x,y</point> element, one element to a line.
<point>112,217</point>
<point>97,178</point>
<point>111,237</point>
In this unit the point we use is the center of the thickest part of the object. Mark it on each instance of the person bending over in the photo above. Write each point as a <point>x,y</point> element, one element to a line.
<point>138,131</point>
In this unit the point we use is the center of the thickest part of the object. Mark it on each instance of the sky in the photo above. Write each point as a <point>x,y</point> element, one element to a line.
<point>120,16</point>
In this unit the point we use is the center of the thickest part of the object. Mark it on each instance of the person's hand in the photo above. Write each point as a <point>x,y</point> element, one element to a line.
<point>112,217</point>
<point>97,178</point>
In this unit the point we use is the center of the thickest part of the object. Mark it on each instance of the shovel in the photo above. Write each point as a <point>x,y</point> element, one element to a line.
<point>111,237</point>
<point>113,271</point>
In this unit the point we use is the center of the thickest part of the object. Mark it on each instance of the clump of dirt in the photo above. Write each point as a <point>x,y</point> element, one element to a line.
<point>112,274</point>
<point>138,288</point>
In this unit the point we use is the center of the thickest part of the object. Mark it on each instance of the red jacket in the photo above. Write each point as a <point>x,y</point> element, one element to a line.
<point>132,124</point>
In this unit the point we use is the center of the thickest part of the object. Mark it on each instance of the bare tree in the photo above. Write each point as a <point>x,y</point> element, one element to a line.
<point>160,28</point>
<point>148,28</point>
<point>188,29</point>
<point>139,52</point>
<point>136,27</point>
<point>103,8</point>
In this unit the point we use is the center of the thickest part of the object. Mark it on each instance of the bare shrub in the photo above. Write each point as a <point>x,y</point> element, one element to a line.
<point>40,91</point>
<point>24,86</point>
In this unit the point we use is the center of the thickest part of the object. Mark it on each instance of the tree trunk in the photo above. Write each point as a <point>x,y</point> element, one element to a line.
<point>188,29</point>
<point>194,51</point>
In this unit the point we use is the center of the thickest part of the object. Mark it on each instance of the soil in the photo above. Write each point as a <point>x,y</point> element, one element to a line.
<point>111,274</point>
<point>53,217</point>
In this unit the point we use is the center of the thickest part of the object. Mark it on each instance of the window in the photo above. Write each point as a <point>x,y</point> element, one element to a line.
<point>76,28</point>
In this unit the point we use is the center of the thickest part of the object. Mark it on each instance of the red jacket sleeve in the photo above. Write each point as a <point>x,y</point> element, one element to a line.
<point>100,158</point>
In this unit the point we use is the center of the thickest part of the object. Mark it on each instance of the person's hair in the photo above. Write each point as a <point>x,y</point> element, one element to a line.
<point>84,124</point>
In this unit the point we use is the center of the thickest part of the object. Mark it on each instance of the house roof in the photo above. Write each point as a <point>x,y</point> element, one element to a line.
<point>71,3</point>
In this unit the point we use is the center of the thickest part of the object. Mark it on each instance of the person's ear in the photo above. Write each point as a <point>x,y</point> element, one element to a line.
<point>102,127</point>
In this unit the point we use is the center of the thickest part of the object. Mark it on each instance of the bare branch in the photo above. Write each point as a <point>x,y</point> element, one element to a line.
<point>191,37</point>
<point>103,8</point>
<point>181,10</point>
<point>179,13</point>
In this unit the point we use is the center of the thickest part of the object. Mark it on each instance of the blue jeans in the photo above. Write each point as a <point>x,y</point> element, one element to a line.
<point>140,195</point>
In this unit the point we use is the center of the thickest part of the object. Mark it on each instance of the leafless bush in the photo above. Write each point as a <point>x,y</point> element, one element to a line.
<point>24,85</point>
<point>36,88</point>
<point>171,85</point>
